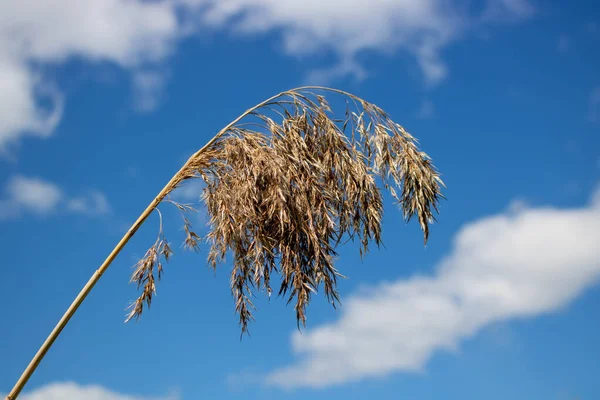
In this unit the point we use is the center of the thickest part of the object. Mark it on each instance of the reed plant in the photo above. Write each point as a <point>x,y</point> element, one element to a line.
<point>284,184</point>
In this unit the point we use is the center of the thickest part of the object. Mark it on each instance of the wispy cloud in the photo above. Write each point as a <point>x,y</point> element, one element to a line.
<point>33,195</point>
<point>519,264</point>
<point>507,10</point>
<point>147,89</point>
<point>95,203</point>
<point>189,191</point>
<point>427,110</point>
<point>139,36</point>
<point>419,27</point>
<point>74,391</point>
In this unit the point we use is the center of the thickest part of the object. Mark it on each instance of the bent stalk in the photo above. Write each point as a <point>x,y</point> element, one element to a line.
<point>169,187</point>
<point>281,201</point>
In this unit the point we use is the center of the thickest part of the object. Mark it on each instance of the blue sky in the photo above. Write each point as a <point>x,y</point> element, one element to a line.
<point>101,102</point>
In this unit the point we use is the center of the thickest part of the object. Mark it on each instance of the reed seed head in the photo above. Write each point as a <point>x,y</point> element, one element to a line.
<point>287,182</point>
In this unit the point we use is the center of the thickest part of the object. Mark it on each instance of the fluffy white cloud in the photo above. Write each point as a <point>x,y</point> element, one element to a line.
<point>138,35</point>
<point>21,91</point>
<point>73,391</point>
<point>518,264</point>
<point>34,195</point>
<point>34,33</point>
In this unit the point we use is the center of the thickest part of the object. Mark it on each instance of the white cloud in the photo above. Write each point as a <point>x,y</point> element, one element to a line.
<point>344,68</point>
<point>95,203</point>
<point>33,195</point>
<point>21,112</point>
<point>73,391</point>
<point>421,27</point>
<point>594,106</point>
<point>127,33</point>
<point>148,88</point>
<point>521,263</point>
<point>139,35</point>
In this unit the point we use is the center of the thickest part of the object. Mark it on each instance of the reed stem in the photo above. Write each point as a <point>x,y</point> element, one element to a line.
<point>176,179</point>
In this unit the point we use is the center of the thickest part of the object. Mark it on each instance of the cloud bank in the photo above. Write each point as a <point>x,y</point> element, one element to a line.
<point>525,262</point>
<point>138,36</point>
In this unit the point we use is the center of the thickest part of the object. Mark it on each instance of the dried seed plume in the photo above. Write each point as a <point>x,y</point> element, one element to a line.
<point>286,182</point>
